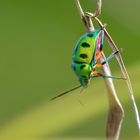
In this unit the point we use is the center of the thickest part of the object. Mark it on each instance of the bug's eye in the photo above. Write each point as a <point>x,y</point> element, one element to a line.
<point>84,82</point>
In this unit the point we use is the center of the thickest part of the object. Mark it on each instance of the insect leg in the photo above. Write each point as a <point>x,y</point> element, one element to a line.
<point>98,74</point>
<point>110,57</point>
<point>98,65</point>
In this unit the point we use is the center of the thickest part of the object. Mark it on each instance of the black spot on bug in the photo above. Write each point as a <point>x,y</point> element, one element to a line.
<point>84,56</point>
<point>78,62</point>
<point>84,77</point>
<point>90,35</point>
<point>81,67</point>
<point>85,45</point>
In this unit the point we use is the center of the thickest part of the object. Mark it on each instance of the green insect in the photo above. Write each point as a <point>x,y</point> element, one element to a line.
<point>88,54</point>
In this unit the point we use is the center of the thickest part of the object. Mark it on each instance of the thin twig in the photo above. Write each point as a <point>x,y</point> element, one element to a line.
<point>123,69</point>
<point>115,113</point>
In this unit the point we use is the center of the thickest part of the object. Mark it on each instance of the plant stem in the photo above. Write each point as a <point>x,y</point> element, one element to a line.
<point>115,112</point>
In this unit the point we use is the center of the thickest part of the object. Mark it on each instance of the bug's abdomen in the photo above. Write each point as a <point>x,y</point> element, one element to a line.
<point>85,48</point>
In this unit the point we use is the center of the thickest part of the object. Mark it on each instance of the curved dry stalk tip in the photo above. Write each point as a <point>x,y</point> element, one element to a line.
<point>81,12</point>
<point>123,70</point>
<point>98,8</point>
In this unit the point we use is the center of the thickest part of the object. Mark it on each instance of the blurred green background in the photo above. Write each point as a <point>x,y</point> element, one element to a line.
<point>37,38</point>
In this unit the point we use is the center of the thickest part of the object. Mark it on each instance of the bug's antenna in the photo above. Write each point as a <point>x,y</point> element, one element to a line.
<point>66,92</point>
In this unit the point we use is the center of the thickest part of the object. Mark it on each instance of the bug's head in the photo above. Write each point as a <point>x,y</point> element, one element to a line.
<point>84,81</point>
<point>83,71</point>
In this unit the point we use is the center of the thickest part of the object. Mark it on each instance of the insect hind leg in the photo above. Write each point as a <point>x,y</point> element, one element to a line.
<point>110,57</point>
<point>95,74</point>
